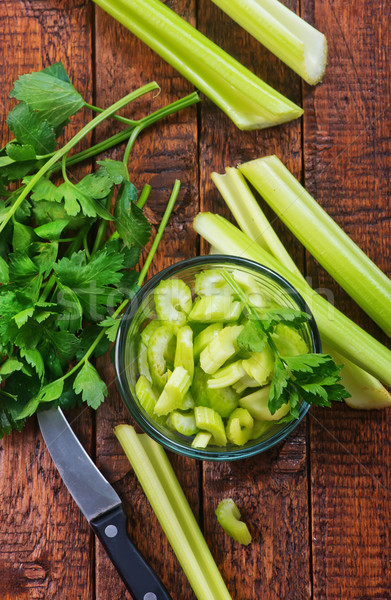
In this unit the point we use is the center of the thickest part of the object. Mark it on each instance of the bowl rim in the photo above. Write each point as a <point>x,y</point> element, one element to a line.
<point>127,396</point>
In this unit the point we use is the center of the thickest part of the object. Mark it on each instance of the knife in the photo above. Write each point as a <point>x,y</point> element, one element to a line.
<point>100,504</point>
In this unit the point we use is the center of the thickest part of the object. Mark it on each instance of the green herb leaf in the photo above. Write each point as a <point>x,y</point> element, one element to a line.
<point>30,129</point>
<point>70,317</point>
<point>112,327</point>
<point>287,316</point>
<point>22,236</point>
<point>34,358</point>
<point>9,366</point>
<point>89,384</point>
<point>131,223</point>
<point>52,98</point>
<point>115,169</point>
<point>20,153</point>
<point>52,230</point>
<point>252,338</point>
<point>4,272</point>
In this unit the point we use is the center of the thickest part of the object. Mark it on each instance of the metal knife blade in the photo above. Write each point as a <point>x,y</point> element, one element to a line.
<point>100,504</point>
<point>90,490</point>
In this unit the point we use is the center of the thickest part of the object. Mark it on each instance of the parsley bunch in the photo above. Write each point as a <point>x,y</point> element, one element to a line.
<point>63,286</point>
<point>310,377</point>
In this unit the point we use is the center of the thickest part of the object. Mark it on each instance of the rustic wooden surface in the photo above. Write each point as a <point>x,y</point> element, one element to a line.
<point>318,505</point>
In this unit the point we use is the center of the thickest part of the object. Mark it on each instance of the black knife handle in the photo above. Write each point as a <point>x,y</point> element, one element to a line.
<point>139,578</point>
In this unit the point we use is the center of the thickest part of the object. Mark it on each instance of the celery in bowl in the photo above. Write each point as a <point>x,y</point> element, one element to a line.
<point>196,357</point>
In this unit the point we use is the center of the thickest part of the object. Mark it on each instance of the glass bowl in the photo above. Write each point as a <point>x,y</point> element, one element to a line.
<point>141,311</point>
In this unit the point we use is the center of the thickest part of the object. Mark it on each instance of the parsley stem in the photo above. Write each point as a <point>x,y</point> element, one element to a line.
<point>162,226</point>
<point>116,117</point>
<point>130,144</point>
<point>144,195</point>
<point>100,234</point>
<point>75,140</point>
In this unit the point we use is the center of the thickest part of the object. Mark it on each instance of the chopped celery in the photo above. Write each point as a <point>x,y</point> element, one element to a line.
<point>259,428</point>
<point>205,337</point>
<point>210,283</point>
<point>247,100</point>
<point>149,329</point>
<point>260,365</point>
<point>223,400</point>
<point>337,330</point>
<point>208,419</point>
<point>227,375</point>
<point>202,439</point>
<point>215,308</point>
<point>257,405</point>
<point>302,47</point>
<point>321,235</point>
<point>183,422</point>
<point>173,301</point>
<point>158,349</point>
<point>188,401</point>
<point>142,361</point>
<point>184,350</point>
<point>145,394</point>
<point>220,349</point>
<point>289,342</point>
<point>256,295</point>
<point>173,392</point>
<point>228,516</point>
<point>239,426</point>
<point>244,382</point>
<point>161,486</point>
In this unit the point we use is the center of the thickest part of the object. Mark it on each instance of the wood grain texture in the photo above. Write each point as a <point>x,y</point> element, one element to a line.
<point>270,490</point>
<point>347,169</point>
<point>45,543</point>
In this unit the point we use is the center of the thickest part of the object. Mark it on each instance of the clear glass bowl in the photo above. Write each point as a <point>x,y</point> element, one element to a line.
<point>141,310</point>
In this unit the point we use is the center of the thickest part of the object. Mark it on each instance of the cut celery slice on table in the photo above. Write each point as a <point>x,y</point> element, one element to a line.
<point>228,516</point>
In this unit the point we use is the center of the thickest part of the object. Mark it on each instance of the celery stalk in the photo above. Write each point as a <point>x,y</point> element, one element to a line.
<point>159,482</point>
<point>246,99</point>
<point>302,47</point>
<point>336,329</point>
<point>326,241</point>
<point>366,391</point>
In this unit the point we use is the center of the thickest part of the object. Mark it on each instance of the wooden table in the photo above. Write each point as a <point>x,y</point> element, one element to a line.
<point>317,505</point>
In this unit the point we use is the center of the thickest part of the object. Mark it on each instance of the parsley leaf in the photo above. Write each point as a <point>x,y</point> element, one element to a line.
<point>115,169</point>
<point>287,316</point>
<point>30,129</point>
<point>252,338</point>
<point>131,223</point>
<point>53,98</point>
<point>89,384</point>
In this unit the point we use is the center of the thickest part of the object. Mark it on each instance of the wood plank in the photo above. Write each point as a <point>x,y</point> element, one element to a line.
<point>347,169</point>
<point>165,152</point>
<point>270,489</point>
<point>45,542</point>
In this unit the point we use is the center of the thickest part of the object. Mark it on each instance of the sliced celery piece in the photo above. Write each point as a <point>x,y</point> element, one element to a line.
<point>188,401</point>
<point>299,45</point>
<point>201,440</point>
<point>210,282</point>
<point>208,419</point>
<point>184,422</point>
<point>337,330</point>
<point>260,365</point>
<point>257,405</point>
<point>149,329</point>
<point>220,349</point>
<point>228,516</point>
<point>184,350</point>
<point>247,100</point>
<point>215,308</point>
<point>259,428</point>
<point>223,400</point>
<point>157,353</point>
<point>161,486</point>
<point>227,375</point>
<point>146,395</point>
<point>173,392</point>
<point>252,289</point>
<point>173,301</point>
<point>205,337</point>
<point>244,382</point>
<point>239,426</point>
<point>289,342</point>
<point>142,361</point>
<point>321,235</point>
